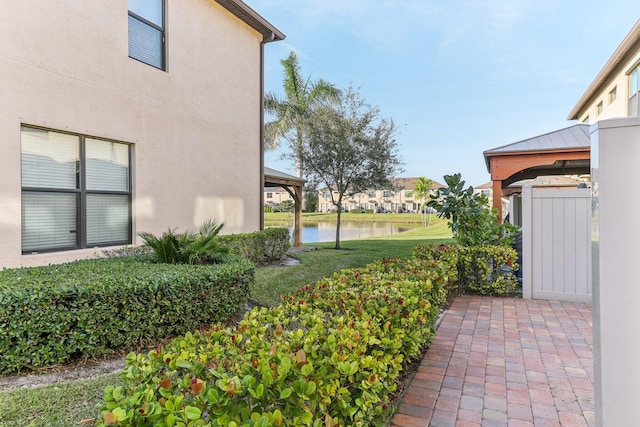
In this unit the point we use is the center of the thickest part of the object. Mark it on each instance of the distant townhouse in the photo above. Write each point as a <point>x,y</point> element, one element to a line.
<point>119,117</point>
<point>401,199</point>
<point>273,196</point>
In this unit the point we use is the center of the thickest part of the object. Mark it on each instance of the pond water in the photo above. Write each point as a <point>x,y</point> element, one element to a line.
<point>326,231</point>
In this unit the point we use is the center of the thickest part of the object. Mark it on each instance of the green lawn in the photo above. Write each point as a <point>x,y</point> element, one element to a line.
<point>272,282</point>
<point>65,404</point>
<point>55,405</point>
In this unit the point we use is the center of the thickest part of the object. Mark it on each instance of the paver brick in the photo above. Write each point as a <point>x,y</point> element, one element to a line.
<point>501,361</point>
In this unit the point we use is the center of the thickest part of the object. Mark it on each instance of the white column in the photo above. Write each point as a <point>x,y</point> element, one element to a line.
<point>615,160</point>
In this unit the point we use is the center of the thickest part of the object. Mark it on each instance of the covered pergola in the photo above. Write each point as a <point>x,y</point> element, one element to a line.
<point>563,152</point>
<point>293,185</point>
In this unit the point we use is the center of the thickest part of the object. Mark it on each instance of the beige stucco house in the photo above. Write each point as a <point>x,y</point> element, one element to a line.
<point>615,92</point>
<point>399,199</point>
<point>126,116</point>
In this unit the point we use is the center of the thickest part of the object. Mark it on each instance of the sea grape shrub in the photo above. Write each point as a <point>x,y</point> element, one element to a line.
<point>329,355</point>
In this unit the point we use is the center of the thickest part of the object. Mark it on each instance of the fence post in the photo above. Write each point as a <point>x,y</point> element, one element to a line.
<point>527,229</point>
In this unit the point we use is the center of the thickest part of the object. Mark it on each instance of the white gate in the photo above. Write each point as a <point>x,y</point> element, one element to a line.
<point>556,244</point>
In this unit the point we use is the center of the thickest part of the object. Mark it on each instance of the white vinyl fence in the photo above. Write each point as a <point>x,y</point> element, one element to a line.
<point>556,244</point>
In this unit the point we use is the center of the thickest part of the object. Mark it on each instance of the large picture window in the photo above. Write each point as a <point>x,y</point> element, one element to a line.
<point>147,32</point>
<point>76,191</point>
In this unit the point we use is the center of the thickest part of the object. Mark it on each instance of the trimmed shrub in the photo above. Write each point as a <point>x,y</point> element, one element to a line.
<point>329,355</point>
<point>261,246</point>
<point>486,270</point>
<point>91,307</point>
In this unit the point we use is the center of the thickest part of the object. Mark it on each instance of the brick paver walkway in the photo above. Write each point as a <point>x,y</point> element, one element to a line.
<point>499,362</point>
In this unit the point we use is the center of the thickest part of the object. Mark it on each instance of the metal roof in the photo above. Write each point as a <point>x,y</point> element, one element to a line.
<point>272,176</point>
<point>573,137</point>
<point>250,17</point>
<point>622,54</point>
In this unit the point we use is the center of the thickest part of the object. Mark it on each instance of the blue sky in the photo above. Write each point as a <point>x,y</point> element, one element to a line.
<point>457,76</point>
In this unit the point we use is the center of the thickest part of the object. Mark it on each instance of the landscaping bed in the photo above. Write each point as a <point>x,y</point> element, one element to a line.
<point>330,354</point>
<point>50,315</point>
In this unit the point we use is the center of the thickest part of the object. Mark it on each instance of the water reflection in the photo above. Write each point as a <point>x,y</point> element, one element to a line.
<point>326,231</point>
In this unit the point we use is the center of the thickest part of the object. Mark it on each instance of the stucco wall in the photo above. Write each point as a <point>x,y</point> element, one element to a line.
<point>195,128</point>
<point>616,279</point>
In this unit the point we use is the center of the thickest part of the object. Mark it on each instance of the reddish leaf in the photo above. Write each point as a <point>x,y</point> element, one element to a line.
<point>197,387</point>
<point>110,419</point>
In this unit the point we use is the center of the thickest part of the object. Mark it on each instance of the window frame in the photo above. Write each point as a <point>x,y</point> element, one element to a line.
<point>633,96</point>
<point>162,30</point>
<point>81,193</point>
<point>613,94</point>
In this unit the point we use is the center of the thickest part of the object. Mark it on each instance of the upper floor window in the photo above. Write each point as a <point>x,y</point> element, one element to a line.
<point>634,87</point>
<point>387,193</point>
<point>146,32</point>
<point>613,94</point>
<point>269,195</point>
<point>408,193</point>
<point>586,120</point>
<point>76,191</point>
<point>371,194</point>
<point>599,108</point>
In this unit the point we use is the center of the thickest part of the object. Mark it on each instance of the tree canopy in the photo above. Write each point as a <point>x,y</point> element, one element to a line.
<point>350,149</point>
<point>293,109</point>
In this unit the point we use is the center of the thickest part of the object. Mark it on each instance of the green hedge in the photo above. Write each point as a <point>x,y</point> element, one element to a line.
<point>329,355</point>
<point>87,308</point>
<point>486,270</point>
<point>265,245</point>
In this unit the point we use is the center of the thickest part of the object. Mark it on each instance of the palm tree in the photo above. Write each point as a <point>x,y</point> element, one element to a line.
<point>290,111</point>
<point>422,191</point>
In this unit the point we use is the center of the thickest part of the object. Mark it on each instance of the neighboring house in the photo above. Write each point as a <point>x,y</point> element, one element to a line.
<point>273,196</point>
<point>615,92</point>
<point>400,199</point>
<point>119,117</point>
<point>487,190</point>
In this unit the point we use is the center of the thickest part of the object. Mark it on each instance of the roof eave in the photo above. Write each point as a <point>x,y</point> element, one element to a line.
<point>488,154</point>
<point>250,17</point>
<point>610,67</point>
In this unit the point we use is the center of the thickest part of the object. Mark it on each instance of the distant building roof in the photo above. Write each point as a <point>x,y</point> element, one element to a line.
<point>410,183</point>
<point>485,186</point>
<point>575,137</point>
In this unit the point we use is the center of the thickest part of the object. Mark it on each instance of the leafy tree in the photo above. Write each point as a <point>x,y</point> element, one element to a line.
<point>291,111</point>
<point>287,206</point>
<point>312,201</point>
<point>471,220</point>
<point>350,149</point>
<point>424,188</point>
